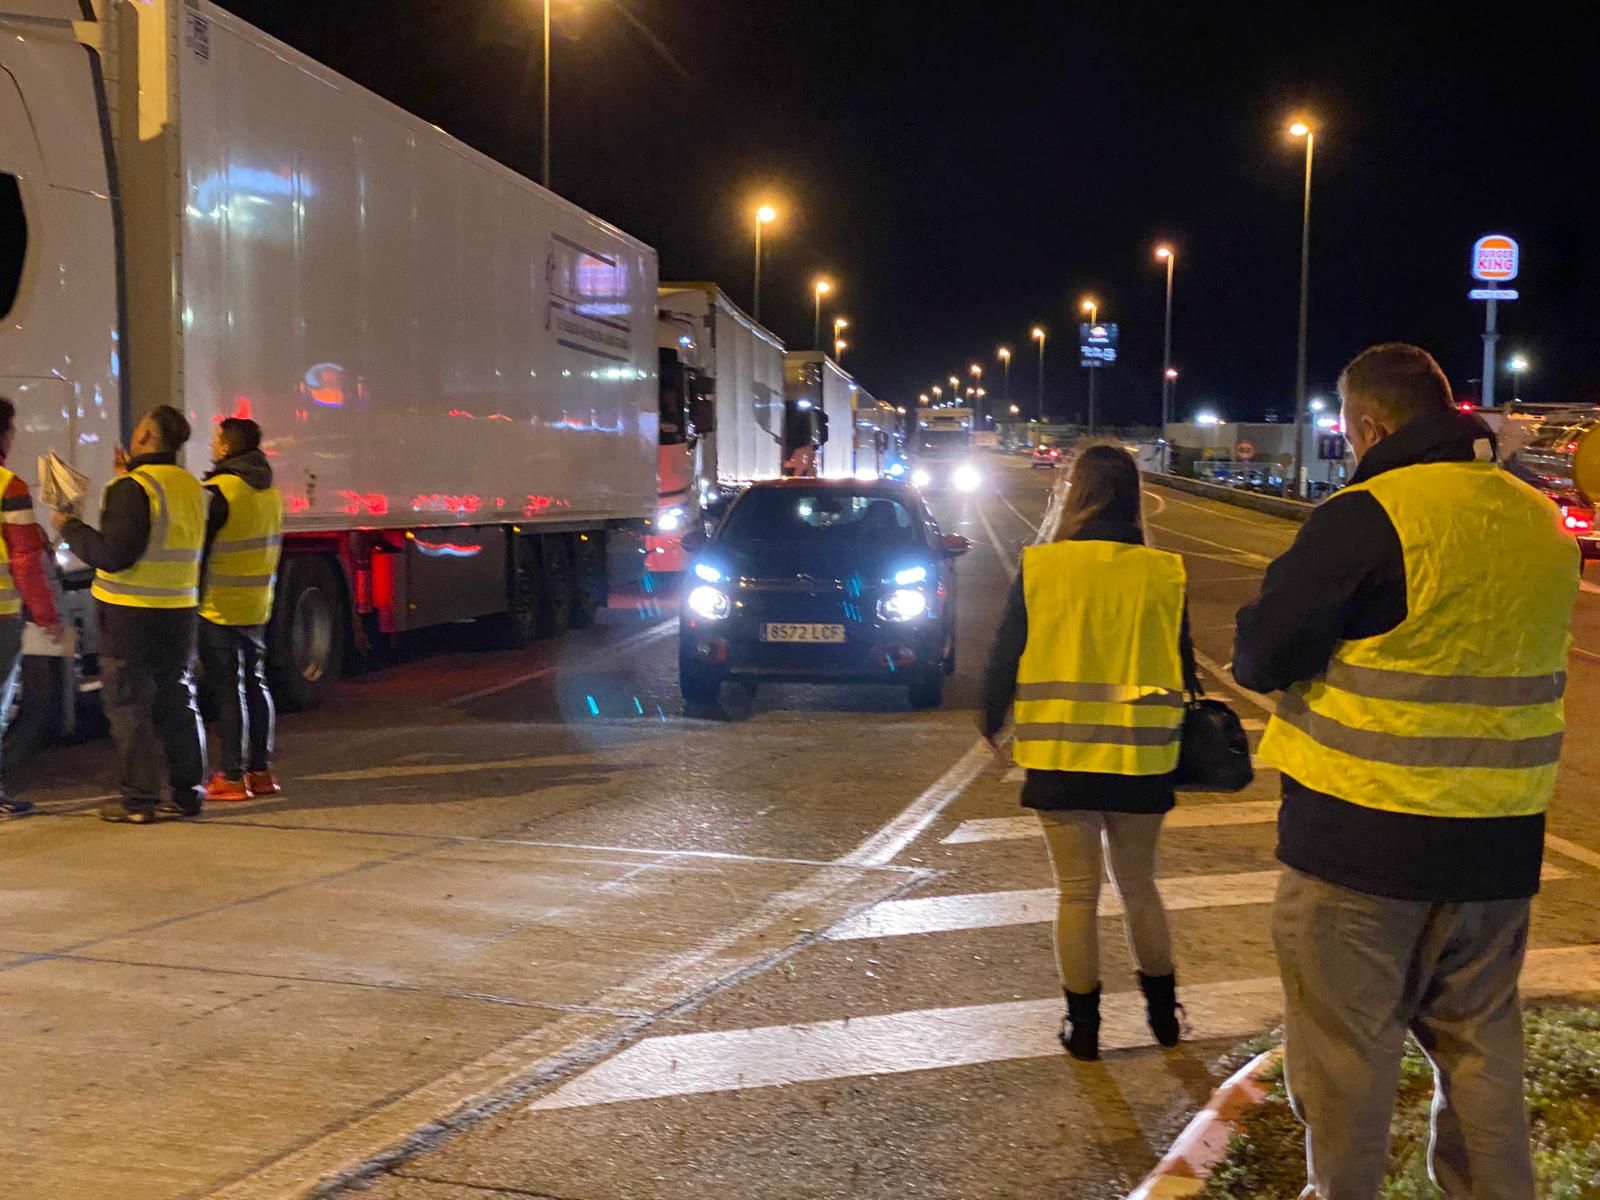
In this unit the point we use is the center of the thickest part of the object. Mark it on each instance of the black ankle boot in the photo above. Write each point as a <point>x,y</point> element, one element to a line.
<point>1080,1028</point>
<point>1161,1002</point>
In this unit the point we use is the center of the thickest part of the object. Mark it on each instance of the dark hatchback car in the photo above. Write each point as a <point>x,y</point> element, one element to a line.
<point>821,581</point>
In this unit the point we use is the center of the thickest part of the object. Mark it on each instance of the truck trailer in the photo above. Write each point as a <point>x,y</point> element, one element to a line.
<point>821,416</point>
<point>456,370</point>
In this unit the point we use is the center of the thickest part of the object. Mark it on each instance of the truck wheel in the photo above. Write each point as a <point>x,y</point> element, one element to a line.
<point>519,624</point>
<point>555,587</point>
<point>589,594</point>
<point>305,646</point>
<point>927,692</point>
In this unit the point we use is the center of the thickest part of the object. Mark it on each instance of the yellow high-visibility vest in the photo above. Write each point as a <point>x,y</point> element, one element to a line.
<point>1457,711</point>
<point>244,555</point>
<point>10,598</point>
<point>1100,684</point>
<point>167,574</point>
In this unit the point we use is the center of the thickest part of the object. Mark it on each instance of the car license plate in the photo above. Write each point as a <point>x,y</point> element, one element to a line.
<point>828,634</point>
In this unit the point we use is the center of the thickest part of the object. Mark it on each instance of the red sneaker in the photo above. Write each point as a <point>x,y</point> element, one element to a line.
<point>261,783</point>
<point>223,789</point>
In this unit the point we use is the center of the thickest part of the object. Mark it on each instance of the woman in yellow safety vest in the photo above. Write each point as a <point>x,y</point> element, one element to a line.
<point>1093,652</point>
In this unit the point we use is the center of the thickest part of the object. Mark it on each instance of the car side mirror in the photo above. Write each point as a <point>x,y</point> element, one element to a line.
<point>695,541</point>
<point>954,545</point>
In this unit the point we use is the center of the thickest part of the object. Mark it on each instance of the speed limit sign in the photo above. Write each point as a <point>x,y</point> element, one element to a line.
<point>1245,451</point>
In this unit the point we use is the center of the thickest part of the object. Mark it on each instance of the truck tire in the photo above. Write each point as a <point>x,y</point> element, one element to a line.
<point>306,639</point>
<point>927,691</point>
<point>589,595</point>
<point>519,624</point>
<point>556,586</point>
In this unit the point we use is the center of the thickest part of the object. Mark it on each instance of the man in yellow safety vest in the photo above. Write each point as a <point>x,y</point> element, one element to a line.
<point>1417,632</point>
<point>146,556</point>
<point>244,539</point>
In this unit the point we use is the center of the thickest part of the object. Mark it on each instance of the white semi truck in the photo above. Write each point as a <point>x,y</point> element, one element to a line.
<point>821,416</point>
<point>730,370</point>
<point>456,370</point>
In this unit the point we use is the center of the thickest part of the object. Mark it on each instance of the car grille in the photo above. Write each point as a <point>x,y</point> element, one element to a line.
<point>794,585</point>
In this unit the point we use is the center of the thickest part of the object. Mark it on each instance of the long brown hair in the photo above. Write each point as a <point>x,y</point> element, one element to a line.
<point>1103,486</point>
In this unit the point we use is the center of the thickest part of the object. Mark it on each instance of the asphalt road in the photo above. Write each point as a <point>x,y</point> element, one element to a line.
<point>519,928</point>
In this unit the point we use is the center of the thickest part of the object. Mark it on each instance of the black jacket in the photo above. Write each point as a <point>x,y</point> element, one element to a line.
<point>1344,577</point>
<point>157,637</point>
<point>1065,790</point>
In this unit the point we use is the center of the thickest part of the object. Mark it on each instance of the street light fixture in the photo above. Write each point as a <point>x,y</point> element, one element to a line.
<point>1169,256</point>
<point>1517,365</point>
<point>819,289</point>
<point>1004,355</point>
<point>765,215</point>
<point>1092,307</point>
<point>922,398</point>
<point>839,347</point>
<point>1038,335</point>
<point>1302,127</point>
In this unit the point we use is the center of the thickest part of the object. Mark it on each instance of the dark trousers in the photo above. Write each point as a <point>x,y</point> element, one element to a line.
<point>234,658</point>
<point>156,724</point>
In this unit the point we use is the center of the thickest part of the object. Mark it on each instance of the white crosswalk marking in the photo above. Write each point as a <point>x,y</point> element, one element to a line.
<point>933,1039</point>
<point>1185,816</point>
<point>995,910</point>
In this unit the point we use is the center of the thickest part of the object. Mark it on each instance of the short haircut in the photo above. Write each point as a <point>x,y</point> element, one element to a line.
<point>8,415</point>
<point>172,425</point>
<point>1398,381</point>
<point>240,435</point>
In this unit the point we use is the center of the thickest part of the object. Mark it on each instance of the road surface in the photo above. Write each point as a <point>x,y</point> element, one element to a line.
<point>519,928</point>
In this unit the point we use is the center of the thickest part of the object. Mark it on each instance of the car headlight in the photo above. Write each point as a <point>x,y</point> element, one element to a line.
<point>921,478</point>
<point>707,572</point>
<point>670,521</point>
<point>905,604</point>
<point>967,478</point>
<point>910,575</point>
<point>710,603</point>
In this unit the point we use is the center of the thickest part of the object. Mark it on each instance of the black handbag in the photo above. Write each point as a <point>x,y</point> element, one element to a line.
<point>1214,755</point>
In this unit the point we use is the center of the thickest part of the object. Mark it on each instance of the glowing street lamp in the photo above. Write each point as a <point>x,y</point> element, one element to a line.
<point>1004,355</point>
<point>839,347</point>
<point>765,215</point>
<point>1038,335</point>
<point>922,399</point>
<point>840,324</point>
<point>1090,306</point>
<point>819,289</point>
<point>1169,256</point>
<point>1517,365</point>
<point>1302,127</point>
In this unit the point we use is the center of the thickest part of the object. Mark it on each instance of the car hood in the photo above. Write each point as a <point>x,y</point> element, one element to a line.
<point>783,560</point>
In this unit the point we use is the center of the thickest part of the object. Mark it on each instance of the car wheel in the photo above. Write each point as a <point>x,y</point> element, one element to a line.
<point>700,687</point>
<point>927,692</point>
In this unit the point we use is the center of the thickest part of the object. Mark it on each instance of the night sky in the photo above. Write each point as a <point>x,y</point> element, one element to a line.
<point>963,170</point>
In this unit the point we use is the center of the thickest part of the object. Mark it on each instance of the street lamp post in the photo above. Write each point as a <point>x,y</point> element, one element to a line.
<point>840,324</point>
<point>1170,257</point>
<point>976,370</point>
<point>1301,128</point>
<point>1004,354</point>
<point>955,390</point>
<point>765,215</point>
<point>819,289</point>
<point>1038,335</point>
<point>839,347</point>
<point>544,137</point>
<point>1091,307</point>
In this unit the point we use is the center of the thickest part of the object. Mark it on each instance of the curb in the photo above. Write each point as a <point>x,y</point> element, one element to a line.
<point>1186,1166</point>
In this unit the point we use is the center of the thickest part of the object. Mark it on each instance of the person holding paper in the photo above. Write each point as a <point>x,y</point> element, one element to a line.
<point>22,581</point>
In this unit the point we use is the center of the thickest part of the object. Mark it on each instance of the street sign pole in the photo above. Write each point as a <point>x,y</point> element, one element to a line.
<point>1093,375</point>
<point>1490,337</point>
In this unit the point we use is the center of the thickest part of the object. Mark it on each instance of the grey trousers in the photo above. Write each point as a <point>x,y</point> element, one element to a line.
<point>1361,971</point>
<point>1078,842</point>
<point>10,675</point>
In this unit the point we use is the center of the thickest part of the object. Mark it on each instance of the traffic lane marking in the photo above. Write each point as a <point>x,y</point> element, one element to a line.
<point>999,910</point>
<point>896,1043</point>
<point>1185,816</point>
<point>1220,508</point>
<point>604,759</point>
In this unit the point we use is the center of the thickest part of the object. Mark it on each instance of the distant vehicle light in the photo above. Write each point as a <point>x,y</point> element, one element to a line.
<point>670,521</point>
<point>897,469</point>
<point>967,478</point>
<point>903,605</point>
<point>707,572</point>
<point>866,474</point>
<point>910,575</point>
<point>921,478</point>
<point>709,603</point>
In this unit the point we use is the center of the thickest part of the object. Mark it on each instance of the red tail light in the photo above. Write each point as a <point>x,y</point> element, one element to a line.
<point>1577,520</point>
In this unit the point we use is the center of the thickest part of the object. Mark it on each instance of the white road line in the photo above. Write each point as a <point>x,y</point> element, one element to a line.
<point>998,910</point>
<point>419,770</point>
<point>1227,511</point>
<point>883,847</point>
<point>1185,816</point>
<point>632,642</point>
<point>1572,850</point>
<point>935,1039</point>
<point>1233,552</point>
<point>1586,586</point>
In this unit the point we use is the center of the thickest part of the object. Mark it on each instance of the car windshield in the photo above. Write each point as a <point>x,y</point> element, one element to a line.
<point>832,516</point>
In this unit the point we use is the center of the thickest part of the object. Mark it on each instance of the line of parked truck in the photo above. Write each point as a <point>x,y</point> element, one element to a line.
<point>479,401</point>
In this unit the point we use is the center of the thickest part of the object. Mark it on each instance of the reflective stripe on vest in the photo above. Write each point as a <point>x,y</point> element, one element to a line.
<point>1457,712</point>
<point>1100,684</point>
<point>244,555</point>
<point>10,598</point>
<point>167,574</point>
